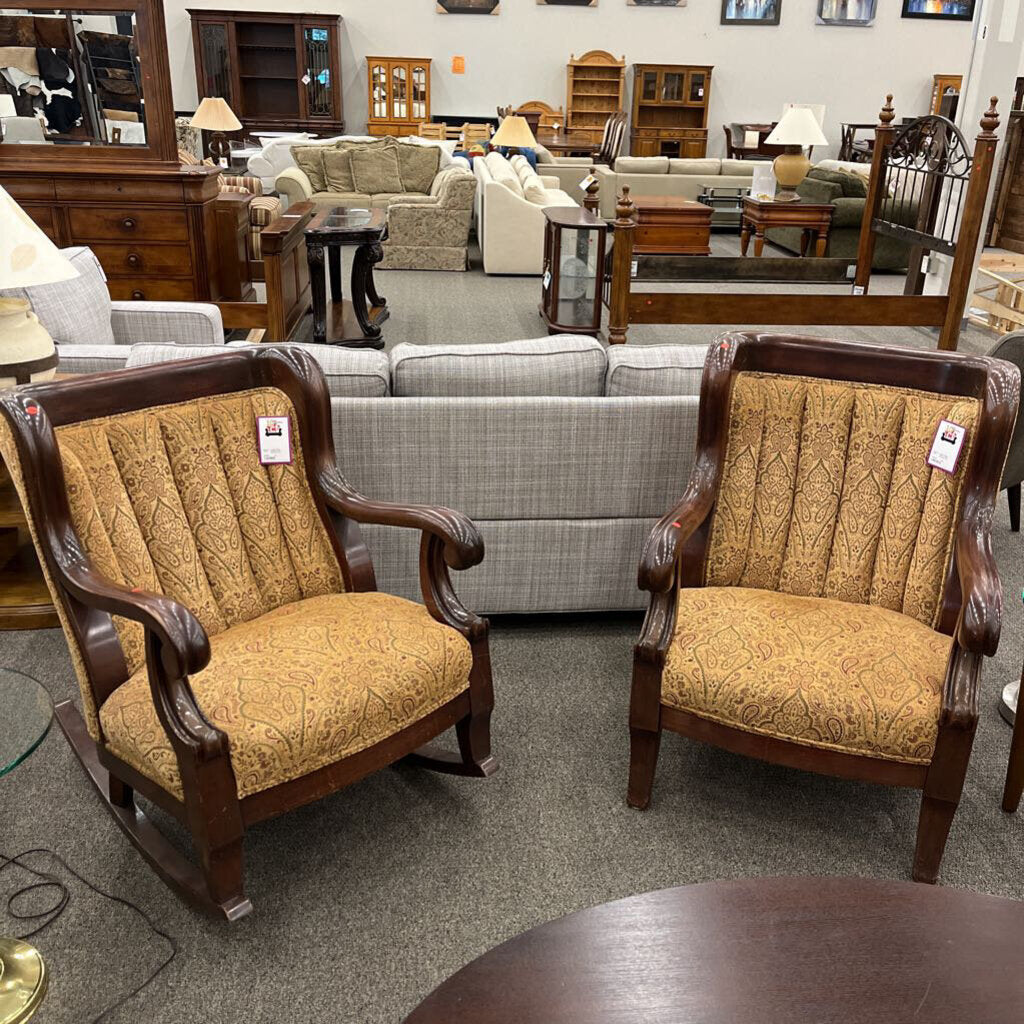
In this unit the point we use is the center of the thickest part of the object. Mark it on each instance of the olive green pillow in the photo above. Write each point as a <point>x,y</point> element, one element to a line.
<point>338,170</point>
<point>375,170</point>
<point>852,185</point>
<point>418,166</point>
<point>311,160</point>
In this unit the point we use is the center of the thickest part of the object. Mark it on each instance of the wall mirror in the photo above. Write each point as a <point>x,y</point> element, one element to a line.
<point>72,77</point>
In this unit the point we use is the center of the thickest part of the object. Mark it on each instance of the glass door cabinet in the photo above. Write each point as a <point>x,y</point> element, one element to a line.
<point>399,94</point>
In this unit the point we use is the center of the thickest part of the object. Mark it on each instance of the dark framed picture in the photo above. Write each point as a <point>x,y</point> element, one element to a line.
<point>940,10</point>
<point>846,12</point>
<point>656,3</point>
<point>468,6</point>
<point>568,3</point>
<point>751,12</point>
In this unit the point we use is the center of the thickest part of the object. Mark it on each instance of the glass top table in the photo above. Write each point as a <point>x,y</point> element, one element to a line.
<point>26,713</point>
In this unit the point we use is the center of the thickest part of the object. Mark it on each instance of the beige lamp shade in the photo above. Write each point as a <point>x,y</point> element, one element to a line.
<point>27,256</point>
<point>214,115</point>
<point>515,132</point>
<point>798,127</point>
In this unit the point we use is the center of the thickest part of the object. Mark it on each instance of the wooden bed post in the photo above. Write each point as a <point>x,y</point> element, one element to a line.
<point>876,193</point>
<point>622,267</point>
<point>970,227</point>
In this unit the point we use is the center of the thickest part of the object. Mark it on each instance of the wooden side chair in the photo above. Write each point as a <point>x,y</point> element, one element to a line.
<point>234,656</point>
<point>821,597</point>
<point>437,131</point>
<point>475,133</point>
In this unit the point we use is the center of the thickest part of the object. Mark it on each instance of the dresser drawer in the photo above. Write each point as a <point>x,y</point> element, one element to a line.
<point>153,290</point>
<point>94,223</point>
<point>30,188</point>
<point>127,259</point>
<point>105,189</point>
<point>42,216</point>
<point>695,134</point>
<point>646,133</point>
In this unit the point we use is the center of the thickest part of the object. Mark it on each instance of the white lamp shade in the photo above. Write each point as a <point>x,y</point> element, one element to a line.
<point>214,115</point>
<point>27,256</point>
<point>7,108</point>
<point>798,127</point>
<point>514,131</point>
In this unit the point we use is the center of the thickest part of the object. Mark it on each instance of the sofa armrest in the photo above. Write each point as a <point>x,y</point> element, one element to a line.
<point>550,180</point>
<point>294,184</point>
<point>193,323</point>
<point>461,161</point>
<point>573,161</point>
<point>249,182</point>
<point>428,224</point>
<point>847,212</point>
<point>412,201</point>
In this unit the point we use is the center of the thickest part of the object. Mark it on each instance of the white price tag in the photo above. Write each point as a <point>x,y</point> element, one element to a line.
<point>858,289</point>
<point>947,445</point>
<point>587,182</point>
<point>306,79</point>
<point>632,268</point>
<point>547,279</point>
<point>275,436</point>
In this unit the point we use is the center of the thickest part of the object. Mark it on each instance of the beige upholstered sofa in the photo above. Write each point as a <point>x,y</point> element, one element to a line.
<point>510,202</point>
<point>664,176</point>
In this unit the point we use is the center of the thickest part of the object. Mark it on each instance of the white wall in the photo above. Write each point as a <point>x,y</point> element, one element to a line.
<point>520,54</point>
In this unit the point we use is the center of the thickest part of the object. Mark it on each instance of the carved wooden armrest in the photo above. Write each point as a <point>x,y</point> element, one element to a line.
<point>661,552</point>
<point>463,545</point>
<point>961,689</point>
<point>981,611</point>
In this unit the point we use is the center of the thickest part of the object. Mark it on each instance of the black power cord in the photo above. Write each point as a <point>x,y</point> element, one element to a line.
<point>46,917</point>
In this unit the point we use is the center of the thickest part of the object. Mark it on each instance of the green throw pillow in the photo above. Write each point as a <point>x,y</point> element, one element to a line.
<point>375,170</point>
<point>338,170</point>
<point>417,166</point>
<point>853,186</point>
<point>311,160</point>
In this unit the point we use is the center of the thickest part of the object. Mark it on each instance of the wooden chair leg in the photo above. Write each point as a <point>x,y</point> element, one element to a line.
<point>1013,499</point>
<point>932,832</point>
<point>1015,770</point>
<point>643,760</point>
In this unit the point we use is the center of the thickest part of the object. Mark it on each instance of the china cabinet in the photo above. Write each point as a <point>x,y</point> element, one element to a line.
<point>399,91</point>
<point>277,72</point>
<point>670,110</point>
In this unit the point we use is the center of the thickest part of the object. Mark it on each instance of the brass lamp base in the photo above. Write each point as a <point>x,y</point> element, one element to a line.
<point>23,981</point>
<point>790,169</point>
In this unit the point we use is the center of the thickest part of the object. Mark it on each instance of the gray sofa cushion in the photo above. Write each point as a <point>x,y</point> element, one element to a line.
<point>76,311</point>
<point>642,165</point>
<point>692,165</point>
<point>349,373</point>
<point>564,365</point>
<point>635,370</point>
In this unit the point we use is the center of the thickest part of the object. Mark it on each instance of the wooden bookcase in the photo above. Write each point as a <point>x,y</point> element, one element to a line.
<point>670,110</point>
<point>596,81</point>
<point>278,72</point>
<point>399,94</point>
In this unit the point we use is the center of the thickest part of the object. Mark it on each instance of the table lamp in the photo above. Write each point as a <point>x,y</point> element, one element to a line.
<point>214,115</point>
<point>797,129</point>
<point>514,132</point>
<point>27,258</point>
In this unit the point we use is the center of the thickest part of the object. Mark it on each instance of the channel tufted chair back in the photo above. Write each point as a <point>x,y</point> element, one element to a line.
<point>233,654</point>
<point>826,492</point>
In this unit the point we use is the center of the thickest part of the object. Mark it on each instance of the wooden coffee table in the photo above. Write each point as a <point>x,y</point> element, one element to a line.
<point>764,950</point>
<point>812,218</point>
<point>347,322</point>
<point>670,226</point>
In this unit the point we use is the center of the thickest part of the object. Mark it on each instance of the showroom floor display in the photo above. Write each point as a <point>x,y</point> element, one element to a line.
<point>373,896</point>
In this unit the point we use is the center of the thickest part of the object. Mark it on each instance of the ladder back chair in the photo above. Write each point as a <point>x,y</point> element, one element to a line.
<point>234,657</point>
<point>822,597</point>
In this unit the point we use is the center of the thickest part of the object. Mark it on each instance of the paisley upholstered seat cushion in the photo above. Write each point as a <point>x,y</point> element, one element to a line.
<point>301,687</point>
<point>856,678</point>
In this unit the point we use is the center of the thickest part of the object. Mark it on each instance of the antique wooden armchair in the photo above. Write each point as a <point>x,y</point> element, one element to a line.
<point>821,597</point>
<point>234,657</point>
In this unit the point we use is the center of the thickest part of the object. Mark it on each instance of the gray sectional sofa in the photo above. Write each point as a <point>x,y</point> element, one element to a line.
<point>562,452</point>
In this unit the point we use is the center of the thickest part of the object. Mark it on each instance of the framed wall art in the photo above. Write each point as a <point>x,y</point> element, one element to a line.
<point>468,6</point>
<point>940,10</point>
<point>846,12</point>
<point>567,3</point>
<point>655,3</point>
<point>751,12</point>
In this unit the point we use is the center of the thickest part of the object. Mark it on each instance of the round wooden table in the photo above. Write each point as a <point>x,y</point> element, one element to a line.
<point>769,950</point>
<point>574,143</point>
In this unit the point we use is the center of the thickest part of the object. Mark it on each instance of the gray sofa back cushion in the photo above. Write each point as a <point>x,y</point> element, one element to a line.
<point>76,311</point>
<point>349,373</point>
<point>564,365</point>
<point>637,370</point>
<point>642,165</point>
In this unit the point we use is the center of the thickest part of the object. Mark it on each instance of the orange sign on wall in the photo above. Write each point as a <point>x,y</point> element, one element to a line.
<point>458,65</point>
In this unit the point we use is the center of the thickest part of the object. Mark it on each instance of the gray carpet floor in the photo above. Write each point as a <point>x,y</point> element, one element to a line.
<point>368,899</point>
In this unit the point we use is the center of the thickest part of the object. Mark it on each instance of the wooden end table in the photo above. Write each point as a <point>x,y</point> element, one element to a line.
<point>764,950</point>
<point>351,322</point>
<point>811,218</point>
<point>668,226</point>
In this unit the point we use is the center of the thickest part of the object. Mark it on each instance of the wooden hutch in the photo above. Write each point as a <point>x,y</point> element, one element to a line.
<point>399,95</point>
<point>277,72</point>
<point>596,84</point>
<point>160,230</point>
<point>946,95</point>
<point>670,110</point>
